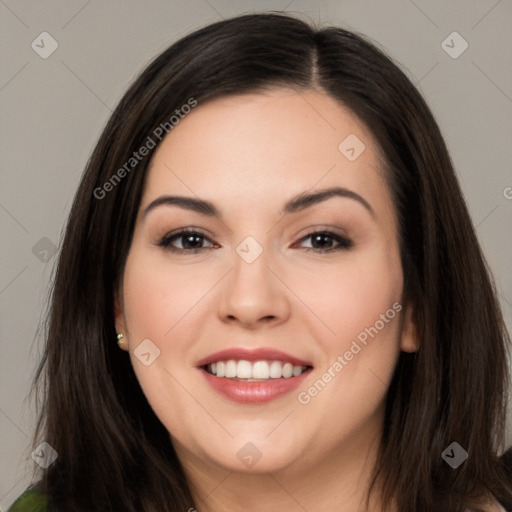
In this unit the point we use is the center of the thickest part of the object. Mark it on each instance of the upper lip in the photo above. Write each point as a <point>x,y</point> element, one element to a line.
<point>258,354</point>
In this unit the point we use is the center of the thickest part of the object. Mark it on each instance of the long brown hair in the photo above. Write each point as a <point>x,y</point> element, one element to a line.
<point>113,452</point>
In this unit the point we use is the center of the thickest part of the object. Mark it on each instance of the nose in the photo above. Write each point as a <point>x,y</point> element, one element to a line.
<point>252,296</point>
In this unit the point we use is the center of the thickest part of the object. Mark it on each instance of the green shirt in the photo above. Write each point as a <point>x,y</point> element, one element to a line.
<point>30,501</point>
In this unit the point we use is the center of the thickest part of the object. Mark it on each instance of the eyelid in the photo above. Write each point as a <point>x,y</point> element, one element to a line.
<point>188,229</point>
<point>322,228</point>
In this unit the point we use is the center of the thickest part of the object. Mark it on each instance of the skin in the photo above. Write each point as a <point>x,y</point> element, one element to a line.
<point>248,155</point>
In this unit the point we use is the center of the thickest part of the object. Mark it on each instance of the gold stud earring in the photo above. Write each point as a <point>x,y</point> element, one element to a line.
<point>120,341</point>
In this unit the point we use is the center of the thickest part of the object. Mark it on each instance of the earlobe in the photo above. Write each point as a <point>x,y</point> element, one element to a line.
<point>118,314</point>
<point>409,338</point>
<point>122,341</point>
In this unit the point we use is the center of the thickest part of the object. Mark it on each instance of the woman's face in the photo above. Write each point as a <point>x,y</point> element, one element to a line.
<point>284,279</point>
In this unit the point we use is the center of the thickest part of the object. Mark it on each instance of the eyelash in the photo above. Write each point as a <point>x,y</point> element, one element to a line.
<point>343,243</point>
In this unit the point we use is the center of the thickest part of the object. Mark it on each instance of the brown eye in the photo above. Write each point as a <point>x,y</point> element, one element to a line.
<point>186,240</point>
<point>326,241</point>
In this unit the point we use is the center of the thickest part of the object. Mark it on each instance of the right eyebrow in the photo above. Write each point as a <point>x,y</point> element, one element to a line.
<point>188,203</point>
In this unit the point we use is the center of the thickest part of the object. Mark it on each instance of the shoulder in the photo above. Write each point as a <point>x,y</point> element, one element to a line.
<point>31,500</point>
<point>493,506</point>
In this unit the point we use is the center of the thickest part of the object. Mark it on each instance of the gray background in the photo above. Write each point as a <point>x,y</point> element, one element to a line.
<point>53,110</point>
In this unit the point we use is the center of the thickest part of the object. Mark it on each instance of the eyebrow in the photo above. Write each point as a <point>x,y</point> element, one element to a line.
<point>295,204</point>
<point>306,200</point>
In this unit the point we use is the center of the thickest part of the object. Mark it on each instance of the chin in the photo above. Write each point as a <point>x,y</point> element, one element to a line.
<point>245,454</point>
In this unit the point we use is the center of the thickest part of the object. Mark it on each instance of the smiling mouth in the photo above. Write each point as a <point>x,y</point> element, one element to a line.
<point>255,371</point>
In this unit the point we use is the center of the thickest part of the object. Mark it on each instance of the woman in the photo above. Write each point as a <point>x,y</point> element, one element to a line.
<point>271,227</point>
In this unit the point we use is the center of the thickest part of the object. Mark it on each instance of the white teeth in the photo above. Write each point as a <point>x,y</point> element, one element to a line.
<point>297,370</point>
<point>287,370</point>
<point>260,370</point>
<point>230,369</point>
<point>257,370</point>
<point>276,370</point>
<point>244,370</point>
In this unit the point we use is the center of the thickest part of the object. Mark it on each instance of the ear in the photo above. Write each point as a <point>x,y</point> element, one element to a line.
<point>119,319</point>
<point>409,341</point>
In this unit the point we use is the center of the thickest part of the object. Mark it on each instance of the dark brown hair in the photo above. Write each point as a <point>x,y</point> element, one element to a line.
<point>114,454</point>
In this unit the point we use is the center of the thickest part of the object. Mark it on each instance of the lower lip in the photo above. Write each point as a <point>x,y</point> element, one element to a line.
<point>254,392</point>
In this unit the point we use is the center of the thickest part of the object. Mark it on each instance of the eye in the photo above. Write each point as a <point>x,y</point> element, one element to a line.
<point>191,241</point>
<point>188,240</point>
<point>326,241</point>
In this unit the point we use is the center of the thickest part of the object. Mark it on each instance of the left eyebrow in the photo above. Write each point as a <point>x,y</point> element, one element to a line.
<point>303,201</point>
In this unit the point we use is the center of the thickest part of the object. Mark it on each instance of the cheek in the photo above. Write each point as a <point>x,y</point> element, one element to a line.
<point>361,305</point>
<point>159,304</point>
<point>157,298</point>
<point>351,297</point>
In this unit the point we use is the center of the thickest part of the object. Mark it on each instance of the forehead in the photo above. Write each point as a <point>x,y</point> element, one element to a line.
<point>264,148</point>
